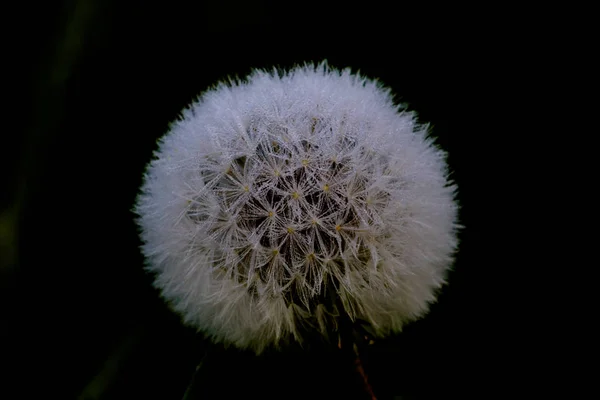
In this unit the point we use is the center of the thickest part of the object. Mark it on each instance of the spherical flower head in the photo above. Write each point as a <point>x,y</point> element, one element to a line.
<point>290,198</point>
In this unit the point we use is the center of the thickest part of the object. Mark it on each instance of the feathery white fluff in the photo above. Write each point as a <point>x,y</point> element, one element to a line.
<point>274,196</point>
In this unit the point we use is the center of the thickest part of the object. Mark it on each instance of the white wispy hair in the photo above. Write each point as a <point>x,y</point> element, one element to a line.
<point>291,197</point>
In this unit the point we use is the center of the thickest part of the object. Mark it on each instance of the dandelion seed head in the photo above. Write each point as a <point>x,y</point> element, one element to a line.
<point>290,189</point>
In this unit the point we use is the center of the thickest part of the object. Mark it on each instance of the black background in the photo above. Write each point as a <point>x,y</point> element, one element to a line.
<point>100,82</point>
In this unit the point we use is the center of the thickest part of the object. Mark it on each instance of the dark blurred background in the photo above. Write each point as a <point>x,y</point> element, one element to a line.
<point>99,82</point>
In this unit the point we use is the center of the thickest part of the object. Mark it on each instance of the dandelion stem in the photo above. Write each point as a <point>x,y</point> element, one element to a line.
<point>351,337</point>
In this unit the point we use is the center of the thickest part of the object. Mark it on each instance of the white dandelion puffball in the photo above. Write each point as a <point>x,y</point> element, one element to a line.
<point>282,202</point>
